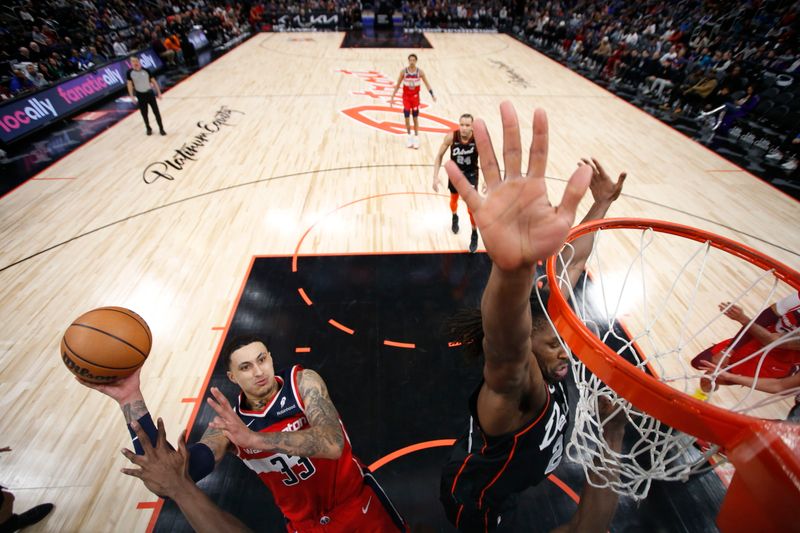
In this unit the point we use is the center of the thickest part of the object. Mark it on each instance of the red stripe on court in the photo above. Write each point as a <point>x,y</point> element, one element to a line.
<point>147,505</point>
<point>156,507</point>
<point>342,327</point>
<point>383,461</point>
<point>297,254</point>
<point>218,328</point>
<point>409,345</point>
<point>302,349</point>
<point>409,449</point>
<point>304,296</point>
<point>207,379</point>
<point>190,400</point>
<point>52,179</point>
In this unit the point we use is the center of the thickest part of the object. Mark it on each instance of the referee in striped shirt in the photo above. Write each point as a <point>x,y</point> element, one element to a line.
<point>142,82</point>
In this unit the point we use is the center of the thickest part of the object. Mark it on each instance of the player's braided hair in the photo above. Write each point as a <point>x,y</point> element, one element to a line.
<point>466,326</point>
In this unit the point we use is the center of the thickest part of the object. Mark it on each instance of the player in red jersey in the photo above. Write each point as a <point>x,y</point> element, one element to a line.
<point>737,357</point>
<point>299,448</point>
<point>410,78</point>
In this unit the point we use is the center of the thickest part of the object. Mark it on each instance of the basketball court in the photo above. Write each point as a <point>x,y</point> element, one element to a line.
<point>283,202</point>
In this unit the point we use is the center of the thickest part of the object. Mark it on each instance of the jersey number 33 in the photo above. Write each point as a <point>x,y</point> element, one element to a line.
<point>295,469</point>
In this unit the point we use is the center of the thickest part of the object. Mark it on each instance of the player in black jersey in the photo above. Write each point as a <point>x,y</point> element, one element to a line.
<point>464,153</point>
<point>516,431</point>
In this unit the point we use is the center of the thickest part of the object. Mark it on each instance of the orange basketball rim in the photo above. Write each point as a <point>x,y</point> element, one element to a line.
<point>765,491</point>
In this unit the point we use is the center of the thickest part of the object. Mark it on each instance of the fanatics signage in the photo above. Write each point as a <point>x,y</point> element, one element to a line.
<point>25,115</point>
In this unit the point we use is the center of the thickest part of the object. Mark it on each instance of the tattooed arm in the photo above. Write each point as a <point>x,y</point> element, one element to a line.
<point>165,471</point>
<point>203,456</point>
<point>217,443</point>
<point>323,439</point>
<point>127,392</point>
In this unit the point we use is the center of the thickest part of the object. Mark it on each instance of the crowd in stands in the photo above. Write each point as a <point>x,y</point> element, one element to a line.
<point>297,14</point>
<point>45,41</point>
<point>733,64</point>
<point>491,14</point>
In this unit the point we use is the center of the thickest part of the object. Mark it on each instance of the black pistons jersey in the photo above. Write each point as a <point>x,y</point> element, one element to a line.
<point>484,473</point>
<point>465,156</point>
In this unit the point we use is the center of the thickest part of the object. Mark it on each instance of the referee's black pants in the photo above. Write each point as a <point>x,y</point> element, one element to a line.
<point>145,99</point>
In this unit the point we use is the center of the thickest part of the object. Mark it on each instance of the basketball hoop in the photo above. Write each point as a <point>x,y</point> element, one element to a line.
<point>653,305</point>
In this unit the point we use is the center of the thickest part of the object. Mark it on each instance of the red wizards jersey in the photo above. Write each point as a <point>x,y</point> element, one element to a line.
<point>303,488</point>
<point>779,362</point>
<point>411,81</point>
<point>788,311</point>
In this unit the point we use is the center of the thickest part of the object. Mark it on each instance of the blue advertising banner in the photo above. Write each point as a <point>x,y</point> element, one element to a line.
<point>198,39</point>
<point>35,111</point>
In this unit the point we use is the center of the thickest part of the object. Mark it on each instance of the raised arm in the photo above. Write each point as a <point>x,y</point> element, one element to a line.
<point>448,140</point>
<point>323,439</point>
<point>604,192</point>
<point>771,385</point>
<point>519,227</point>
<point>761,334</point>
<point>217,442</point>
<point>165,472</point>
<point>127,392</point>
<point>598,504</point>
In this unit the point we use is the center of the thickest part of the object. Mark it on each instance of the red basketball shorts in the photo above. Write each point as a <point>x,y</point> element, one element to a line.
<point>410,100</point>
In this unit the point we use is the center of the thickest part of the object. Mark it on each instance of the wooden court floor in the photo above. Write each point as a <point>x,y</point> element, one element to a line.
<point>283,145</point>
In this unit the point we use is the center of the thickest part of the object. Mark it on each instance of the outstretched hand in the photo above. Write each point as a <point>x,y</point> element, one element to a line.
<point>603,189</point>
<point>721,378</point>
<point>162,469</point>
<point>613,418</point>
<point>228,421</point>
<point>518,224</point>
<point>734,312</point>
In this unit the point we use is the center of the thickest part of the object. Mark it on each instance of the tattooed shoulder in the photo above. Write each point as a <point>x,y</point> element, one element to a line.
<point>309,381</point>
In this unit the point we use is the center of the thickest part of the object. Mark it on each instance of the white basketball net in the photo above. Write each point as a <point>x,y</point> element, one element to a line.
<point>670,311</point>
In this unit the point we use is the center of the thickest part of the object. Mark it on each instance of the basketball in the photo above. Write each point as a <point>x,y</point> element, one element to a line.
<point>106,344</point>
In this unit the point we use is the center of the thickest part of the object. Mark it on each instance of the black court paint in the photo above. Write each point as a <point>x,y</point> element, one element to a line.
<point>391,397</point>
